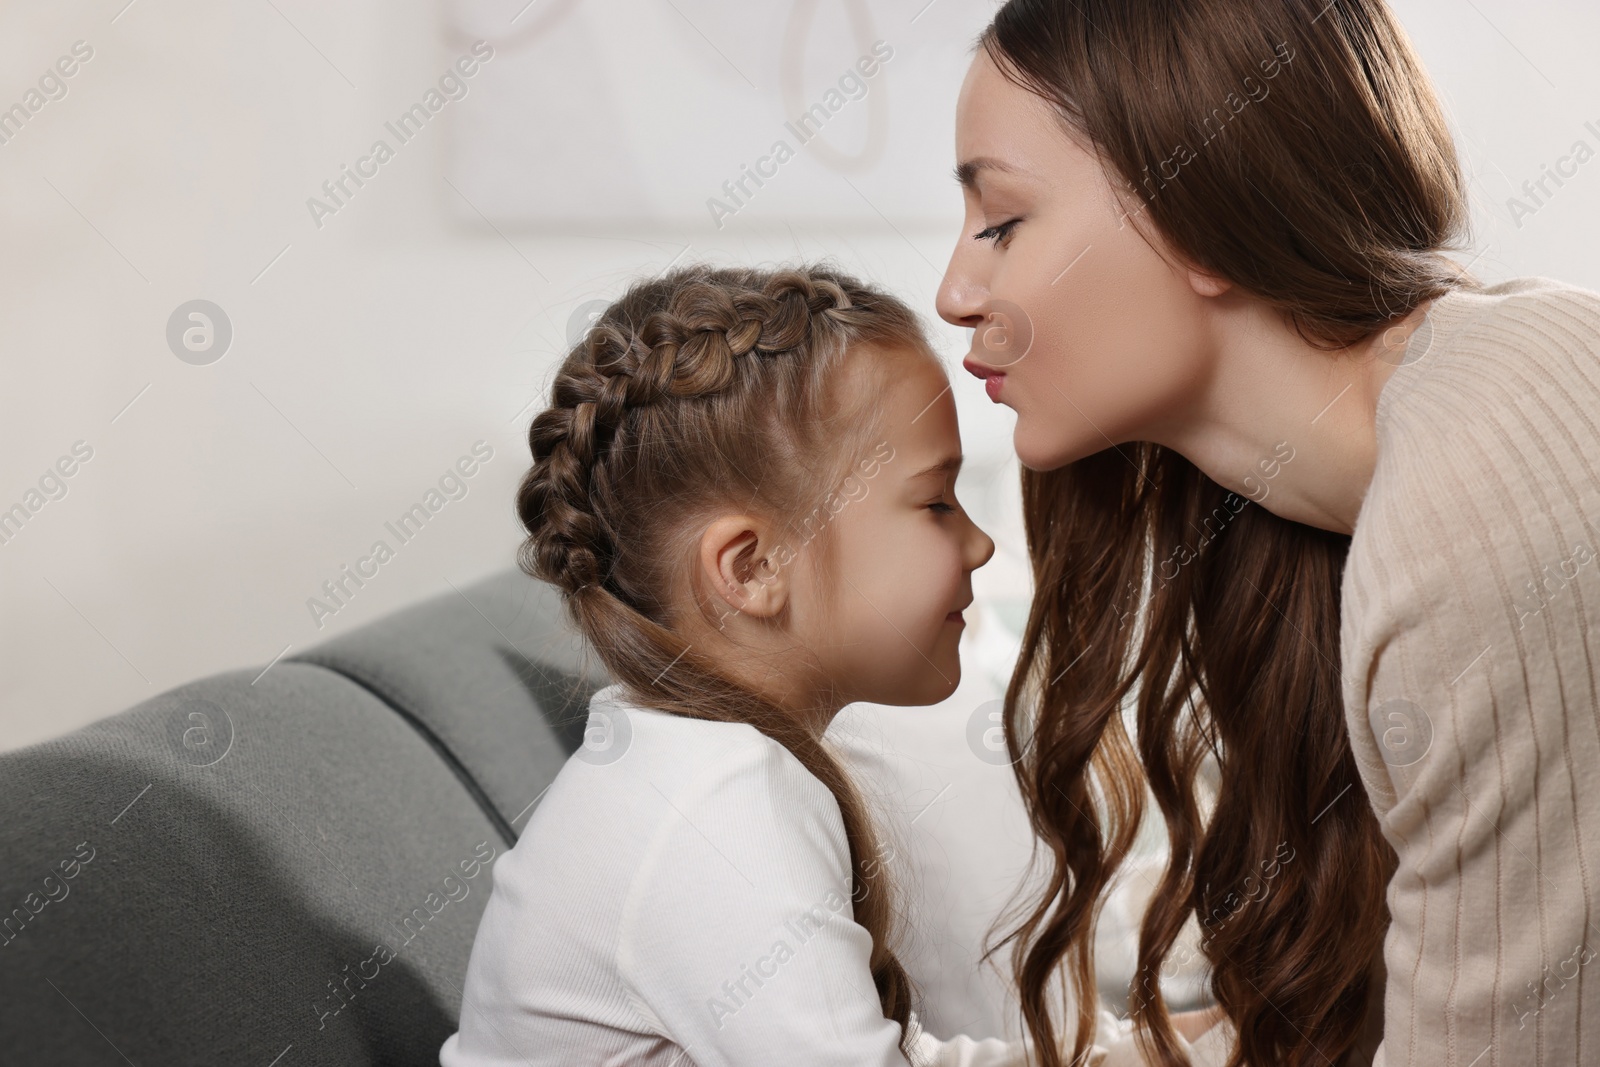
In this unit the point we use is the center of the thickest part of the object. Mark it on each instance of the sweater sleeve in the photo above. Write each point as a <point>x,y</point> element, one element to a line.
<point>738,940</point>
<point>1471,642</point>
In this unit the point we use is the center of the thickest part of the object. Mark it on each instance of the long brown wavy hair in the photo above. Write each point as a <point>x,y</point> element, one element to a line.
<point>1329,196</point>
<point>698,392</point>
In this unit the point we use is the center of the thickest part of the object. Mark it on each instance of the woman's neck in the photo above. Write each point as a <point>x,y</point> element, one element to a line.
<point>1287,425</point>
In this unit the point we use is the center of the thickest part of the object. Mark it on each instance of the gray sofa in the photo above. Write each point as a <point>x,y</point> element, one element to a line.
<point>284,868</point>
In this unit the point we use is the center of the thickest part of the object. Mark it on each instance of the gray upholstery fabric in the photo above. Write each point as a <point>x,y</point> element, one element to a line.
<point>479,670</point>
<point>282,873</point>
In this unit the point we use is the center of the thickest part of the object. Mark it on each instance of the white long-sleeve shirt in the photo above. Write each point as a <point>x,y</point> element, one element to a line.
<point>682,896</point>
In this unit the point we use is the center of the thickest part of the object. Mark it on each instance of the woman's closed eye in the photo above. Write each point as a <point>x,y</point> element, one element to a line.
<point>942,508</point>
<point>996,233</point>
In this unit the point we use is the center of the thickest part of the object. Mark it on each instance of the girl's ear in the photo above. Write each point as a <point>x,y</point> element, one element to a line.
<point>740,565</point>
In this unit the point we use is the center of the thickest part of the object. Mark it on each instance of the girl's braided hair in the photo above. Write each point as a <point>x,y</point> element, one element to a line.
<point>703,391</point>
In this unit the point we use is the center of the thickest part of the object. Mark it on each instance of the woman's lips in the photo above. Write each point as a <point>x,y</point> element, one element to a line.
<point>956,616</point>
<point>992,379</point>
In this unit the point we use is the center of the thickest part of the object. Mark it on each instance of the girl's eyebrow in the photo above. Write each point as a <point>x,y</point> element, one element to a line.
<point>950,465</point>
<point>967,171</point>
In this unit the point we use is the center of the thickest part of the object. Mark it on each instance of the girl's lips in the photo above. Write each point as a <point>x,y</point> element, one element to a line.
<point>992,384</point>
<point>956,616</point>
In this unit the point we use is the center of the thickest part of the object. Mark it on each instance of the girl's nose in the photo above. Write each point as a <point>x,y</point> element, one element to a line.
<point>983,548</point>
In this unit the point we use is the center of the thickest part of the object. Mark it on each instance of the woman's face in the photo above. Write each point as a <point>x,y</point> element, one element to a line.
<point>1099,339</point>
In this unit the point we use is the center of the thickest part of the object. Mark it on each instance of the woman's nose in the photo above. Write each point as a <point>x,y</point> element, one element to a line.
<point>959,298</point>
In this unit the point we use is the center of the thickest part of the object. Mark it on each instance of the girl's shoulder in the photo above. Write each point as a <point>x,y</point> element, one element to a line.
<point>644,766</point>
<point>629,821</point>
<point>672,748</point>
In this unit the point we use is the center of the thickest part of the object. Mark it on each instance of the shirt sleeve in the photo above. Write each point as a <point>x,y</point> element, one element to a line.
<point>1118,1046</point>
<point>738,939</point>
<point>962,1051</point>
<point>1471,618</point>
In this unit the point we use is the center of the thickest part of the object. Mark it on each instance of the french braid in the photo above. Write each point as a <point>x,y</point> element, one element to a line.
<point>702,389</point>
<point>686,351</point>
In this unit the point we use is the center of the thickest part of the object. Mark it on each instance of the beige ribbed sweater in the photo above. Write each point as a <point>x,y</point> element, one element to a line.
<point>1470,640</point>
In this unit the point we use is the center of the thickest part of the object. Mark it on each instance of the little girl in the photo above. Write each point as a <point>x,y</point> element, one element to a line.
<point>743,486</point>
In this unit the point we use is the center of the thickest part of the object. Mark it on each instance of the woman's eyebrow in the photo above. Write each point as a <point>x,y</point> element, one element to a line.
<point>966,172</point>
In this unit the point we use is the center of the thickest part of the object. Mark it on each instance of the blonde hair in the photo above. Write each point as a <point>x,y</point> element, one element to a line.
<point>708,389</point>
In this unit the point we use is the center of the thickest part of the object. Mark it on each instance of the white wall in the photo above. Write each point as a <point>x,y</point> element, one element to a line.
<point>379,347</point>
<point>368,353</point>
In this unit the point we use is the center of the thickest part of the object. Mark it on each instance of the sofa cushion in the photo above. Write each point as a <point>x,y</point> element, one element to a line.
<point>195,879</point>
<point>288,867</point>
<point>491,674</point>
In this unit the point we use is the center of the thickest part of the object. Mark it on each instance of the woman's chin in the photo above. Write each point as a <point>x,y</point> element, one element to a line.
<point>1048,454</point>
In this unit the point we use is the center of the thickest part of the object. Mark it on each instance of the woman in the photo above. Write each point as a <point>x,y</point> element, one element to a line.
<point>1351,490</point>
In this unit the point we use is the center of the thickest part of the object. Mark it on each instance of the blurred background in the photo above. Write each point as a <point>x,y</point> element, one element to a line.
<point>261,336</point>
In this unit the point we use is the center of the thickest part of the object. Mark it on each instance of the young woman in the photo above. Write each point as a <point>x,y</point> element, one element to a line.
<point>1352,491</point>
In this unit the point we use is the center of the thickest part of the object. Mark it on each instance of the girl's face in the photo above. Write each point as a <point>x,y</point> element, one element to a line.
<point>1081,327</point>
<point>903,554</point>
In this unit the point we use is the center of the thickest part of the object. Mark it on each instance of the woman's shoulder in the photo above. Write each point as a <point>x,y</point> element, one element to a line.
<point>1487,466</point>
<point>1519,303</point>
<point>1486,454</point>
<point>1489,345</point>
<point>1496,402</point>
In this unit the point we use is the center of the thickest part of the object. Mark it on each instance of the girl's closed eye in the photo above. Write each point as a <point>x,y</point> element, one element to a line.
<point>942,508</point>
